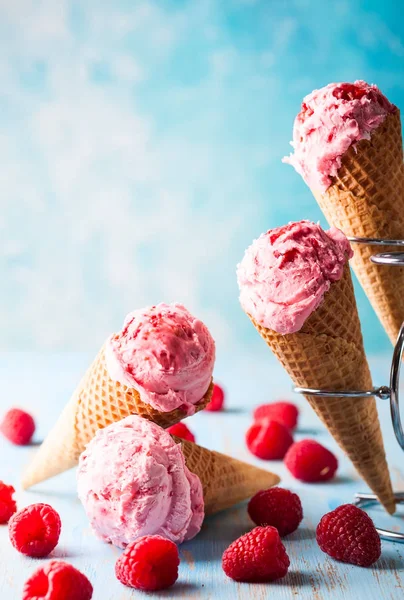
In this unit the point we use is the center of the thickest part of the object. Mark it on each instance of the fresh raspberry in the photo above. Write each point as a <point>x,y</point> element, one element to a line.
<point>35,530</point>
<point>17,426</point>
<point>277,507</point>
<point>150,563</point>
<point>181,431</point>
<point>57,580</point>
<point>309,461</point>
<point>257,556</point>
<point>8,505</point>
<point>349,535</point>
<point>285,413</point>
<point>268,439</point>
<point>217,400</point>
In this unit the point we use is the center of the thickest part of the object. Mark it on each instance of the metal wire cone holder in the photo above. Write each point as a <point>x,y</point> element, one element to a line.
<point>391,392</point>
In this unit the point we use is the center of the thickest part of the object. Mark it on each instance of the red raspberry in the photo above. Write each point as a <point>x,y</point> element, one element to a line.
<point>150,563</point>
<point>8,505</point>
<point>181,431</point>
<point>17,426</point>
<point>268,439</point>
<point>309,461</point>
<point>217,399</point>
<point>277,507</point>
<point>285,413</point>
<point>349,535</point>
<point>57,580</point>
<point>257,556</point>
<point>35,530</point>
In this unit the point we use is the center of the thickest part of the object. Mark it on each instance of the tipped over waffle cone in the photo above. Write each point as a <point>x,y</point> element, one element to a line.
<point>97,402</point>
<point>328,353</point>
<point>366,199</point>
<point>225,480</point>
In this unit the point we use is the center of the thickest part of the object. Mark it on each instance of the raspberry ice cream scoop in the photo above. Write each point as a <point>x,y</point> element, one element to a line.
<point>286,272</point>
<point>133,481</point>
<point>330,121</point>
<point>166,354</point>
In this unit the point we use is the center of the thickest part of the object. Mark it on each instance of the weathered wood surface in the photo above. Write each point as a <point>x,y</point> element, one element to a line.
<point>43,384</point>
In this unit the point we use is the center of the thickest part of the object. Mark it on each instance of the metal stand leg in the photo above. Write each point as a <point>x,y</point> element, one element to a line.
<point>391,393</point>
<point>364,500</point>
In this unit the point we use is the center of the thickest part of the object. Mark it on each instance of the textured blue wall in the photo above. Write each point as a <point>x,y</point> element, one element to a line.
<point>140,149</point>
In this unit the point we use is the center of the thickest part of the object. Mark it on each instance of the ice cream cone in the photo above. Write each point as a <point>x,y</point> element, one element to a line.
<point>366,199</point>
<point>328,353</point>
<point>225,480</point>
<point>97,402</point>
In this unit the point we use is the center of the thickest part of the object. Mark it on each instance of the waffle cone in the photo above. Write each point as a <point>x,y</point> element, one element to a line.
<point>328,353</point>
<point>366,199</point>
<point>97,402</point>
<point>225,480</point>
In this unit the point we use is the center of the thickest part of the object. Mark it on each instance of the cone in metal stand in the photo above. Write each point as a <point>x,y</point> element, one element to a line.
<point>366,199</point>
<point>225,480</point>
<point>97,402</point>
<point>328,353</point>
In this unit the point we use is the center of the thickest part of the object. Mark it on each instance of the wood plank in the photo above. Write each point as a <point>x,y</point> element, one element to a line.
<point>44,384</point>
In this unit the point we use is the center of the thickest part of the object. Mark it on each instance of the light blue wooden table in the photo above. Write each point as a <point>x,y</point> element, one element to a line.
<point>42,383</point>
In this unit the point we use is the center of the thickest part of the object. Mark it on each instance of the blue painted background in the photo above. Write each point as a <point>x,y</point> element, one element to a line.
<point>140,149</point>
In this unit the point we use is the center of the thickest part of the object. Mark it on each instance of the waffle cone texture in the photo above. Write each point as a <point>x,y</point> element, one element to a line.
<point>97,402</point>
<point>226,481</point>
<point>328,353</point>
<point>366,199</point>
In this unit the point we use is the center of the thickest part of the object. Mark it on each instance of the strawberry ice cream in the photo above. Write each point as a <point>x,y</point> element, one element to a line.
<point>166,354</point>
<point>286,272</point>
<point>133,481</point>
<point>331,119</point>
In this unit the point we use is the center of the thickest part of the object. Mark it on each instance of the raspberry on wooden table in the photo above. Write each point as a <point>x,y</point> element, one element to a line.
<point>150,563</point>
<point>57,580</point>
<point>17,426</point>
<point>277,507</point>
<point>268,439</point>
<point>217,401</point>
<point>35,530</point>
<point>311,462</point>
<point>285,413</point>
<point>349,535</point>
<point>181,431</point>
<point>257,556</point>
<point>8,505</point>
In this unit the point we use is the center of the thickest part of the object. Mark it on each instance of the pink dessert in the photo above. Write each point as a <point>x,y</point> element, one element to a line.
<point>286,272</point>
<point>165,354</point>
<point>331,120</point>
<point>133,481</point>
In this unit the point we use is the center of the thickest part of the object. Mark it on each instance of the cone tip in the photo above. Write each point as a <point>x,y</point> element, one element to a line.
<point>29,478</point>
<point>26,483</point>
<point>390,506</point>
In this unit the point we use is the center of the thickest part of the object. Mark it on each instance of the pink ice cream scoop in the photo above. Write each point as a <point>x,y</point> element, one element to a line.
<point>331,119</point>
<point>133,481</point>
<point>286,272</point>
<point>166,354</point>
